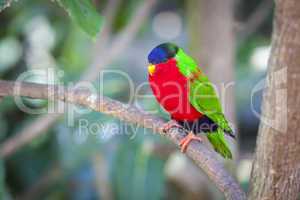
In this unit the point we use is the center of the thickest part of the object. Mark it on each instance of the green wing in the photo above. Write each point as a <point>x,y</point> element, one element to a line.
<point>219,143</point>
<point>202,93</point>
<point>203,97</point>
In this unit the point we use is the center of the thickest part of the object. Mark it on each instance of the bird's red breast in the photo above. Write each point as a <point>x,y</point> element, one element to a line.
<point>171,90</point>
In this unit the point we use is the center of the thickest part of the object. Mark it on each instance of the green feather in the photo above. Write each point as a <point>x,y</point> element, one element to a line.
<point>219,144</point>
<point>186,64</point>
<point>203,97</point>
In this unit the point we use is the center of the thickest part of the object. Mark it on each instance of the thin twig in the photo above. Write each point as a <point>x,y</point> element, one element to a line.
<point>37,128</point>
<point>201,155</point>
<point>27,134</point>
<point>121,41</point>
<point>110,12</point>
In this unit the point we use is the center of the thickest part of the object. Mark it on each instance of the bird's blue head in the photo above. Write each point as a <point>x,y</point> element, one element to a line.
<point>162,53</point>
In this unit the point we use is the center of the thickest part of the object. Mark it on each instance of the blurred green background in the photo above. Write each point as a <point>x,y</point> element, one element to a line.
<point>67,162</point>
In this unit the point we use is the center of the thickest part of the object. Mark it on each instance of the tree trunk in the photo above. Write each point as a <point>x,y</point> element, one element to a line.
<point>276,168</point>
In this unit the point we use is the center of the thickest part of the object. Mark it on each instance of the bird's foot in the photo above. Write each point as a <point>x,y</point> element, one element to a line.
<point>170,124</point>
<point>186,140</point>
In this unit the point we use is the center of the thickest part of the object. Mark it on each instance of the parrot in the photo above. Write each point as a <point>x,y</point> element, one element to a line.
<point>187,94</point>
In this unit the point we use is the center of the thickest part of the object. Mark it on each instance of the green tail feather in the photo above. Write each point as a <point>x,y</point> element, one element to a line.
<point>217,140</point>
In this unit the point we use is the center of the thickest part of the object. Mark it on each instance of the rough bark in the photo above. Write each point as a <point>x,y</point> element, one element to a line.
<point>276,169</point>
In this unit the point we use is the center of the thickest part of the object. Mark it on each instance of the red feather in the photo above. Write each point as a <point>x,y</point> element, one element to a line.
<point>171,90</point>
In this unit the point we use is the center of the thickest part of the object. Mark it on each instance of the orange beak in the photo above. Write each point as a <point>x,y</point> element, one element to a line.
<point>151,69</point>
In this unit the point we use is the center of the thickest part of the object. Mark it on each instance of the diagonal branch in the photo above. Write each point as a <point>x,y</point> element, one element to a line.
<point>121,41</point>
<point>42,123</point>
<point>202,156</point>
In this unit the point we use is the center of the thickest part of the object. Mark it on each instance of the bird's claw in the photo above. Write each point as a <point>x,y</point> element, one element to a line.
<point>170,124</point>
<point>186,140</point>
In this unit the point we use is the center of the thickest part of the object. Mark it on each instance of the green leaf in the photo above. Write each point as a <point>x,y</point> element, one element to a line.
<point>84,14</point>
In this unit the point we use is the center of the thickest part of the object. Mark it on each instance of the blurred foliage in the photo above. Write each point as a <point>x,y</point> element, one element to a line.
<point>74,62</point>
<point>4,4</point>
<point>247,47</point>
<point>37,34</point>
<point>137,173</point>
<point>125,13</point>
<point>2,182</point>
<point>84,14</point>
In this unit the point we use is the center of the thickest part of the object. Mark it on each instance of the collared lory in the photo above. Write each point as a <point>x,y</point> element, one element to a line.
<point>188,96</point>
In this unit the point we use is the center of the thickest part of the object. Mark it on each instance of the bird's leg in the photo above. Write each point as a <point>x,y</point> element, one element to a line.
<point>170,124</point>
<point>186,140</point>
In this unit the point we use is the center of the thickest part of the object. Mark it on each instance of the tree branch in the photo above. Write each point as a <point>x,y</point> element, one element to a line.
<point>202,156</point>
<point>42,123</point>
<point>276,167</point>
